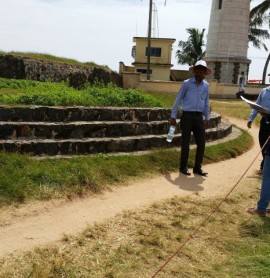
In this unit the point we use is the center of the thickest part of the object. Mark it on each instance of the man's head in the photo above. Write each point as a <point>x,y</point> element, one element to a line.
<point>200,70</point>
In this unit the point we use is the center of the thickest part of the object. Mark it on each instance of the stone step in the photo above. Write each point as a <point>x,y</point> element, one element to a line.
<point>82,129</point>
<point>42,131</point>
<point>104,145</point>
<point>81,113</point>
<point>62,130</point>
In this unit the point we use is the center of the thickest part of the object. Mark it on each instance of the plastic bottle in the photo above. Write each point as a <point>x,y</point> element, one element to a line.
<point>171,133</point>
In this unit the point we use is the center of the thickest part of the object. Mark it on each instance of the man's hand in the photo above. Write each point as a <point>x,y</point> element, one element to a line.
<point>249,124</point>
<point>206,124</point>
<point>172,121</point>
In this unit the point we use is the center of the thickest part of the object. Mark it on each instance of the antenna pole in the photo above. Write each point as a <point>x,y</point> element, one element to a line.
<point>149,39</point>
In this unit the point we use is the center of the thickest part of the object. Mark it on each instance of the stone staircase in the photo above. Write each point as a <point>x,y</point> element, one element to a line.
<point>44,131</point>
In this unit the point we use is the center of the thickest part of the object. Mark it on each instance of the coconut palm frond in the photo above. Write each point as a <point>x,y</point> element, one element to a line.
<point>191,50</point>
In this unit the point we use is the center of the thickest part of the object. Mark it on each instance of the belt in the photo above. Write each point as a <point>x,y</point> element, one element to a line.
<point>193,113</point>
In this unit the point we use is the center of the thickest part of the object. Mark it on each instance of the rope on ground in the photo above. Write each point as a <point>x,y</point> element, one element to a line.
<point>191,235</point>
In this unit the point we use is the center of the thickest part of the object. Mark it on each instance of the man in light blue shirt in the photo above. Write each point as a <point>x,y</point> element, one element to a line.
<point>193,97</point>
<point>264,132</point>
<point>263,202</point>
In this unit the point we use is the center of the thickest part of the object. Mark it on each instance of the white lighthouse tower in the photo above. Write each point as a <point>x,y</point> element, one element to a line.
<point>227,40</point>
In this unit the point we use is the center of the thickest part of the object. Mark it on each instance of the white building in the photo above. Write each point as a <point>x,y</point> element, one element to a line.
<point>227,40</point>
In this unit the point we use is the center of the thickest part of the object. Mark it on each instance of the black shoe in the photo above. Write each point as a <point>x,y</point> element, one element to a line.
<point>199,171</point>
<point>184,171</point>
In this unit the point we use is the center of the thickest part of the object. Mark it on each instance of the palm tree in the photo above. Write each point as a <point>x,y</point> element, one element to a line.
<point>259,15</point>
<point>191,50</point>
<point>261,8</point>
<point>255,33</point>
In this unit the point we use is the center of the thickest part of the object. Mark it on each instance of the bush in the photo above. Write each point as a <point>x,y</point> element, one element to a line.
<point>28,92</point>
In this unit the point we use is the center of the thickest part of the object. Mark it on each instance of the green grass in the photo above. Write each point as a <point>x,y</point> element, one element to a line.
<point>28,92</point>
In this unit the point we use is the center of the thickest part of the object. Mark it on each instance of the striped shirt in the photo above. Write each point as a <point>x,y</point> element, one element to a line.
<point>192,97</point>
<point>263,100</point>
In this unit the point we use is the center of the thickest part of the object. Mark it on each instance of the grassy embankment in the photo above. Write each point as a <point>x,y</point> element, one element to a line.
<point>135,244</point>
<point>45,179</point>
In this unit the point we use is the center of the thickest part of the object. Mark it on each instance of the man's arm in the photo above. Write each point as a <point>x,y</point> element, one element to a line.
<point>177,102</point>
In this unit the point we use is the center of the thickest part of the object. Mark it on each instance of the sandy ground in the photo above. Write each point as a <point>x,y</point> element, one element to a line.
<point>28,226</point>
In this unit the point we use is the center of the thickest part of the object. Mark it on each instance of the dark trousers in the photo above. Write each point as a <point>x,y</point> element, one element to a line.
<point>192,122</point>
<point>264,133</point>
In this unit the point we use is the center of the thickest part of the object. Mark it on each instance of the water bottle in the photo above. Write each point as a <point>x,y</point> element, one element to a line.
<point>171,133</point>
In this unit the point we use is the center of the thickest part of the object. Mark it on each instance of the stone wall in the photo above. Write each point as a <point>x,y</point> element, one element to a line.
<point>17,67</point>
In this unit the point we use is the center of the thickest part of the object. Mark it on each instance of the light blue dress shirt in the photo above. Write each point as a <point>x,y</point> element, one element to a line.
<point>192,97</point>
<point>263,100</point>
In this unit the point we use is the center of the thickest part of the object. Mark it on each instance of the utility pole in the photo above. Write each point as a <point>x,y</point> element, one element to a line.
<point>149,39</point>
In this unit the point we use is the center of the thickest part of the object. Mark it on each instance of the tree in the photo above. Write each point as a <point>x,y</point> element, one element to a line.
<point>258,17</point>
<point>262,8</point>
<point>191,50</point>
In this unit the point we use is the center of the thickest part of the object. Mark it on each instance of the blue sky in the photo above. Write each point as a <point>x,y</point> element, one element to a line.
<point>102,30</point>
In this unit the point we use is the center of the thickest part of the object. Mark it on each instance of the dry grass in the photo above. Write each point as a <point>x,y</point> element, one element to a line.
<point>138,243</point>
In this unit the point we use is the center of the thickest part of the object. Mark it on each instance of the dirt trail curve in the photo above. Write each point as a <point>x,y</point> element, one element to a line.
<point>34,225</point>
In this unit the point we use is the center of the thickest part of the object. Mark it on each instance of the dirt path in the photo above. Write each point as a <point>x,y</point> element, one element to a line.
<point>33,225</point>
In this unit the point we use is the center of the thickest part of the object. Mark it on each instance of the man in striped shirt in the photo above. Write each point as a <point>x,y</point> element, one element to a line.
<point>193,97</point>
<point>264,131</point>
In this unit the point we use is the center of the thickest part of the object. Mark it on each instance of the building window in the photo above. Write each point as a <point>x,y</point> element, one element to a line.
<point>154,52</point>
<point>219,4</point>
<point>133,52</point>
<point>143,71</point>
